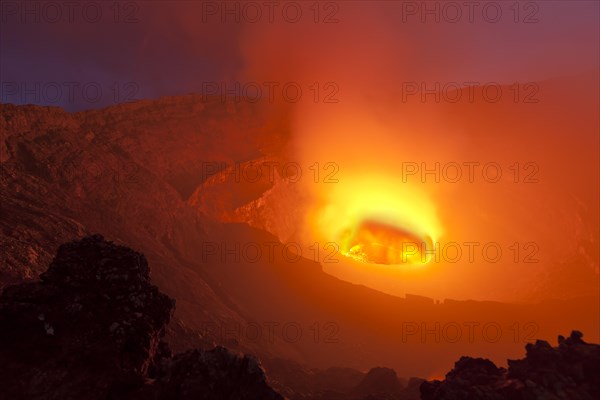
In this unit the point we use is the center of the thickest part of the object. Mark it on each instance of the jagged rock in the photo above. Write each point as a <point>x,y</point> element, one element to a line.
<point>217,374</point>
<point>92,329</point>
<point>298,382</point>
<point>569,371</point>
<point>413,388</point>
<point>379,381</point>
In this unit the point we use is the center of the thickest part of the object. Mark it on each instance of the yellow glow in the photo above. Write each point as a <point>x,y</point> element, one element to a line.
<point>378,220</point>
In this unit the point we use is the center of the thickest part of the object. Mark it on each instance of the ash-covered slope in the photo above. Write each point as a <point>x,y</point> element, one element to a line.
<point>92,328</point>
<point>569,371</point>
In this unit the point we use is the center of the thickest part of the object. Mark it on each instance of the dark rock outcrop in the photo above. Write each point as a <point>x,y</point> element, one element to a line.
<point>380,381</point>
<point>569,371</point>
<point>299,382</point>
<point>92,329</point>
<point>216,374</point>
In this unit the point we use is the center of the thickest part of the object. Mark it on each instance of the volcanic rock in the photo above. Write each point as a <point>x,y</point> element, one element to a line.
<point>379,381</point>
<point>569,371</point>
<point>92,329</point>
<point>216,374</point>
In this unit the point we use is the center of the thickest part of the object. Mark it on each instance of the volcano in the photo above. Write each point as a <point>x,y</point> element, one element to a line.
<point>68,175</point>
<point>353,200</point>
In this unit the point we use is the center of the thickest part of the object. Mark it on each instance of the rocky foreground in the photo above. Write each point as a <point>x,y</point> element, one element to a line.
<point>92,328</point>
<point>570,371</point>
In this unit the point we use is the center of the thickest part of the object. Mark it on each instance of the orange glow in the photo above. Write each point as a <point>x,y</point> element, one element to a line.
<point>372,184</point>
<point>374,242</point>
<point>378,220</point>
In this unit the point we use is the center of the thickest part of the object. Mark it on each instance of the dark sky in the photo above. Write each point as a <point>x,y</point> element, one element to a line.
<point>98,53</point>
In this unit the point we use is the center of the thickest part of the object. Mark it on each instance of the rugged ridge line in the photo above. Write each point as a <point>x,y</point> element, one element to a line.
<point>569,371</point>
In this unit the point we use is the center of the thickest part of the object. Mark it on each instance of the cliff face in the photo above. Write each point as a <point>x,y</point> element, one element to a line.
<point>126,172</point>
<point>569,371</point>
<point>92,328</point>
<point>268,202</point>
<point>117,169</point>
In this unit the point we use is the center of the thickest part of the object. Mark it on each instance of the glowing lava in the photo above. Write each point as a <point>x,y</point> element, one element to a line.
<point>385,222</point>
<point>377,243</point>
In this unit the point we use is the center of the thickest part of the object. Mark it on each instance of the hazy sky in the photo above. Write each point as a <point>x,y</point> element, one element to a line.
<point>52,54</point>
